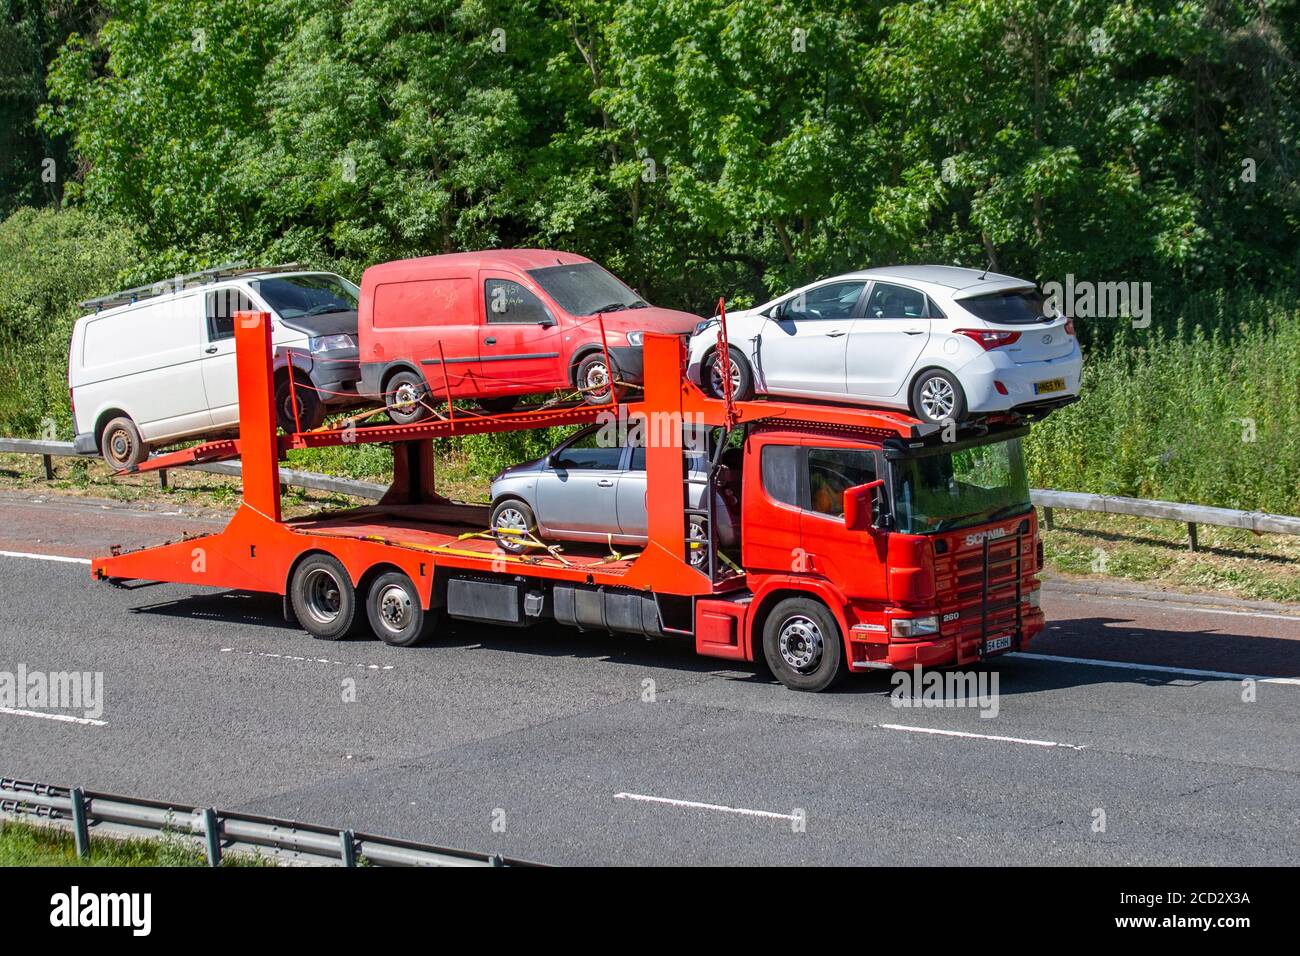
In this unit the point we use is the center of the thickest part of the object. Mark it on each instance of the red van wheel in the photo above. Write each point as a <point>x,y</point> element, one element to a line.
<point>407,398</point>
<point>592,377</point>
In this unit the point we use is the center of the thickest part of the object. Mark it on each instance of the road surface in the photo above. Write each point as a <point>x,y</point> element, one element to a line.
<point>1128,734</point>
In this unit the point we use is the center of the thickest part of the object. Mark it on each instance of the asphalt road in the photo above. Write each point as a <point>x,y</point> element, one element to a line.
<point>566,748</point>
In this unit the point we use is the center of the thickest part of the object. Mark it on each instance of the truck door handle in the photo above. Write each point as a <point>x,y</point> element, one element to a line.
<point>211,349</point>
<point>605,483</point>
<point>490,340</point>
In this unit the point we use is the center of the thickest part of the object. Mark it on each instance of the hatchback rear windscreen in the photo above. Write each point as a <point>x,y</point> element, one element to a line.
<point>1019,307</point>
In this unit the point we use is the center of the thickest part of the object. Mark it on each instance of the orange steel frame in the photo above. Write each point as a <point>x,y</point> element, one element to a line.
<point>257,550</point>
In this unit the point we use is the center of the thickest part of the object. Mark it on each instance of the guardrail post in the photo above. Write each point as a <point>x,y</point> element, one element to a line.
<point>49,467</point>
<point>348,847</point>
<point>496,859</point>
<point>81,832</point>
<point>1047,518</point>
<point>212,836</point>
<point>1191,536</point>
<point>162,478</point>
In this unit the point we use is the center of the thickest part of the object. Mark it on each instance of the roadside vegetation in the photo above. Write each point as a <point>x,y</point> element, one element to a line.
<point>25,844</point>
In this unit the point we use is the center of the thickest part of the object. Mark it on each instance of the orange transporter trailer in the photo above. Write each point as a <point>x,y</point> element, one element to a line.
<point>865,540</point>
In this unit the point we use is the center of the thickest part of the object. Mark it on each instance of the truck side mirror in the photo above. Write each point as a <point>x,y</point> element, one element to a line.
<point>858,502</point>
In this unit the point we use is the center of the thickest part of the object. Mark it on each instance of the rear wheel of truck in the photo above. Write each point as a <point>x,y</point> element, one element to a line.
<point>802,645</point>
<point>407,398</point>
<point>324,600</point>
<point>121,445</point>
<point>311,410</point>
<point>395,613</point>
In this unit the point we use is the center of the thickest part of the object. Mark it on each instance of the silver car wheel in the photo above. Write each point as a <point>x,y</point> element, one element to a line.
<point>938,399</point>
<point>715,375</point>
<point>801,644</point>
<point>697,544</point>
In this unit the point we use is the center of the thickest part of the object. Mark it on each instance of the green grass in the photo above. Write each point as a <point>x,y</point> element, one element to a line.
<point>25,844</point>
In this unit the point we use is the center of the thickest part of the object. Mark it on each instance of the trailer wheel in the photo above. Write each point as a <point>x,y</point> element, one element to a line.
<point>396,615</point>
<point>323,597</point>
<point>803,646</point>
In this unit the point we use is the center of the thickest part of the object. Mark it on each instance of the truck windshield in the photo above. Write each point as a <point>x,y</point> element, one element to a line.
<point>956,489</point>
<point>585,288</point>
<point>293,297</point>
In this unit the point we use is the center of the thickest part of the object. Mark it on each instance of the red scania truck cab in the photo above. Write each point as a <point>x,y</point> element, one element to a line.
<point>890,552</point>
<point>866,540</point>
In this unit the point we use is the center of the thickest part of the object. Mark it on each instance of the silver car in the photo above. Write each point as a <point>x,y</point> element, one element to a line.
<point>588,491</point>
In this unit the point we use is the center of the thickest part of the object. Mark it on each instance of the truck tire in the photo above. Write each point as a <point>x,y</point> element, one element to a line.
<point>803,646</point>
<point>323,598</point>
<point>311,410</point>
<point>406,395</point>
<point>395,613</point>
<point>121,445</point>
<point>513,514</point>
<point>742,376</point>
<point>937,396</point>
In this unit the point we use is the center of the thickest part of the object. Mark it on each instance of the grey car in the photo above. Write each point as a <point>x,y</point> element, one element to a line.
<point>588,491</point>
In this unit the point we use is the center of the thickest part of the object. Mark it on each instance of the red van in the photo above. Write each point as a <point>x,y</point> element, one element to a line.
<point>493,326</point>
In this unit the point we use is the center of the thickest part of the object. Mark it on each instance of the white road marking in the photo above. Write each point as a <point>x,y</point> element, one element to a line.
<point>1158,668</point>
<point>962,733</point>
<point>693,805</point>
<point>310,660</point>
<point>43,557</point>
<point>62,718</point>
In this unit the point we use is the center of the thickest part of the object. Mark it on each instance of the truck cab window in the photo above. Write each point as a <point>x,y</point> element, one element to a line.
<point>221,308</point>
<point>780,466</point>
<point>833,471</point>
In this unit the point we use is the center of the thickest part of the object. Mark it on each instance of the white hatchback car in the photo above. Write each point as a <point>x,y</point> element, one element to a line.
<point>939,341</point>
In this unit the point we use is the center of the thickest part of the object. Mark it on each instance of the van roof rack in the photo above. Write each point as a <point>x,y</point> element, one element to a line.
<point>176,283</point>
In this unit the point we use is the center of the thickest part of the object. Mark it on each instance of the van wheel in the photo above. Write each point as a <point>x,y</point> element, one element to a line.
<point>742,376</point>
<point>937,396</point>
<point>121,444</point>
<point>311,410</point>
<point>512,515</point>
<point>324,600</point>
<point>592,376</point>
<point>406,396</point>
<point>803,645</point>
<point>395,613</point>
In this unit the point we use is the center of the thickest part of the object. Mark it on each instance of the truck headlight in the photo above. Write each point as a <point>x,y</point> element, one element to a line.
<point>331,343</point>
<point>914,626</point>
<point>635,338</point>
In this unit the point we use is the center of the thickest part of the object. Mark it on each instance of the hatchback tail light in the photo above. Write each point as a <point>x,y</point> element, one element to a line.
<point>989,338</point>
<point>1069,326</point>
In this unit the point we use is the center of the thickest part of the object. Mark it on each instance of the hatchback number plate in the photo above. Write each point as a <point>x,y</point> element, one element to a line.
<point>1050,385</point>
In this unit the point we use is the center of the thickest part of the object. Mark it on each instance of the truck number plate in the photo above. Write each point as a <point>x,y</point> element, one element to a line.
<point>998,644</point>
<point>1049,385</point>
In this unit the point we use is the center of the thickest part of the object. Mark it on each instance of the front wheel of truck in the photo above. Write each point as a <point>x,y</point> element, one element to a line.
<point>803,646</point>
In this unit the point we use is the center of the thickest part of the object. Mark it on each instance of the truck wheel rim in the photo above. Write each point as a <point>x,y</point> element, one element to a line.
<point>800,643</point>
<point>395,608</point>
<point>938,399</point>
<point>324,596</point>
<point>715,376</point>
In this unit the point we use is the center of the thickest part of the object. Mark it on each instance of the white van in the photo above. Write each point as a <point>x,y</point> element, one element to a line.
<point>156,365</point>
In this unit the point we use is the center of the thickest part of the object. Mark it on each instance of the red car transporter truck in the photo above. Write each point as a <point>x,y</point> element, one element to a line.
<point>865,540</point>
